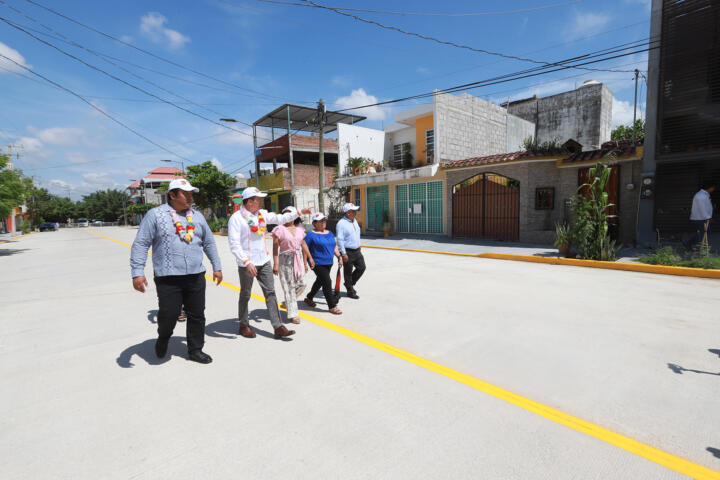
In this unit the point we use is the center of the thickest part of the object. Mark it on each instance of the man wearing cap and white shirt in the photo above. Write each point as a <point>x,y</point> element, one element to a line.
<point>178,236</point>
<point>246,235</point>
<point>348,239</point>
<point>701,212</point>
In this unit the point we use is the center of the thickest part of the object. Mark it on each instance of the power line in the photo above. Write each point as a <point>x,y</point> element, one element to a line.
<point>499,79</point>
<point>437,40</point>
<point>96,108</point>
<point>89,65</point>
<point>426,14</point>
<point>158,57</point>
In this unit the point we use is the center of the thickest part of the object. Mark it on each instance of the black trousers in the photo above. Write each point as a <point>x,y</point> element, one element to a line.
<point>323,280</point>
<point>353,268</point>
<point>173,292</point>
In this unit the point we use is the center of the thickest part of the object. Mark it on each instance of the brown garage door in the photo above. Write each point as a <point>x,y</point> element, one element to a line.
<point>487,205</point>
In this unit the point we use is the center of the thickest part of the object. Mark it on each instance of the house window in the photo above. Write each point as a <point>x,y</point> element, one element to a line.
<point>544,198</point>
<point>356,195</point>
<point>429,145</point>
<point>397,160</point>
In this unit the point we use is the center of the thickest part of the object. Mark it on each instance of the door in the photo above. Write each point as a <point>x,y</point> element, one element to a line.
<point>377,203</point>
<point>419,207</point>
<point>487,205</point>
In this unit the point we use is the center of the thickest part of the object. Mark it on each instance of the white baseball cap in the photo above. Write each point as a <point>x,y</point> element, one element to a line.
<point>252,192</point>
<point>290,209</point>
<point>349,206</point>
<point>318,216</point>
<point>182,184</point>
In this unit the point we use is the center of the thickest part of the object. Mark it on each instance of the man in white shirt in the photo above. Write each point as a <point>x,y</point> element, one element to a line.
<point>246,235</point>
<point>348,241</point>
<point>701,212</point>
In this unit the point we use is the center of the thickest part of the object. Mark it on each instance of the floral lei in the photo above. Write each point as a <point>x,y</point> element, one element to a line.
<point>258,228</point>
<point>186,233</point>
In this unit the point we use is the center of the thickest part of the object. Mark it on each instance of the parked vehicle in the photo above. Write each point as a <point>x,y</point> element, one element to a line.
<point>47,226</point>
<point>97,223</point>
<point>83,222</point>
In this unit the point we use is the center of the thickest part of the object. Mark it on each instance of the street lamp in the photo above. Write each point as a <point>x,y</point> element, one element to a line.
<point>182,164</point>
<point>255,150</point>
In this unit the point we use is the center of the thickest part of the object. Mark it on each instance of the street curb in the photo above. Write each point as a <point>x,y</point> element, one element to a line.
<point>16,238</point>
<point>630,267</point>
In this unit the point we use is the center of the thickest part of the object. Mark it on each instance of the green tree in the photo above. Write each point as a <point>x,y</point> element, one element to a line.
<point>626,132</point>
<point>106,205</point>
<point>214,185</point>
<point>37,200</point>
<point>12,188</point>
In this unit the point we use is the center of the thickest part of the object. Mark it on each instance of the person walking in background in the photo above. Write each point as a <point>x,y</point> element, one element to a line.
<point>701,213</point>
<point>246,235</point>
<point>348,239</point>
<point>290,255</point>
<point>178,236</point>
<point>321,245</point>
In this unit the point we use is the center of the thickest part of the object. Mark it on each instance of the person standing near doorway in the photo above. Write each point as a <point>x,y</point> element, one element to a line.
<point>348,240</point>
<point>178,236</point>
<point>246,235</point>
<point>701,212</point>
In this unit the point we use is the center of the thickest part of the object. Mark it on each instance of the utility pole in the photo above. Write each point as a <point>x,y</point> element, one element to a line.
<point>637,72</point>
<point>321,163</point>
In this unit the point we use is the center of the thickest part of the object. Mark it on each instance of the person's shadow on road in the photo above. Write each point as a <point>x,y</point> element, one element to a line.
<point>229,327</point>
<point>146,351</point>
<point>152,316</point>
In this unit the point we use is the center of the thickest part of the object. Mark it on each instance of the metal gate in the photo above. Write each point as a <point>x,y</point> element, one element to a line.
<point>419,207</point>
<point>377,203</point>
<point>487,205</point>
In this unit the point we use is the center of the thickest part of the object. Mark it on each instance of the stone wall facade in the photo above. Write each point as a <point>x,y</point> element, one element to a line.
<point>583,114</point>
<point>538,226</point>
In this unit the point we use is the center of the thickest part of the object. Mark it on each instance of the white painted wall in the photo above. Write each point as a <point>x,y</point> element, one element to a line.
<point>397,137</point>
<point>354,141</point>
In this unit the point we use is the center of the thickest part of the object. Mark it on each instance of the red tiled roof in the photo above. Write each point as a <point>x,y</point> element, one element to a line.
<point>503,158</point>
<point>165,170</point>
<point>135,185</point>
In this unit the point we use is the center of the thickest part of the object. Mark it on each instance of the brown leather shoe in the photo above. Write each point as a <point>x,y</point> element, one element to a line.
<point>281,332</point>
<point>310,303</point>
<point>247,332</point>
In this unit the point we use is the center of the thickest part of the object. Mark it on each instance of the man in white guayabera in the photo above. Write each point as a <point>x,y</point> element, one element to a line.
<point>246,235</point>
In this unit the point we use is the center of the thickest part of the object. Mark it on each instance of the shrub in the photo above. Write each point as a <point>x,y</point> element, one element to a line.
<point>25,226</point>
<point>664,256</point>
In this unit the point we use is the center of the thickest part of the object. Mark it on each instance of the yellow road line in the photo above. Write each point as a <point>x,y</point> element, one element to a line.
<point>17,238</point>
<point>573,262</point>
<point>668,460</point>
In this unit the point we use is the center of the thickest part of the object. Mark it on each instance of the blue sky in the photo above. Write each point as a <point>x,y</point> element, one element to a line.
<point>269,54</point>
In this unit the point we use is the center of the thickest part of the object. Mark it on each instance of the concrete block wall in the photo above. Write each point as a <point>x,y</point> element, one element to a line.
<point>466,126</point>
<point>583,114</point>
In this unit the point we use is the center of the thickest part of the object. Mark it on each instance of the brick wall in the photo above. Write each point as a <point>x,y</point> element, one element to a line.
<point>307,176</point>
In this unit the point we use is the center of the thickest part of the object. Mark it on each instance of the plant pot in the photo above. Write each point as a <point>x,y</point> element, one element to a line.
<point>387,228</point>
<point>564,250</point>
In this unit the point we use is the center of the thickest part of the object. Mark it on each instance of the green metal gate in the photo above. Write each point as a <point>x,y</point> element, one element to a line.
<point>377,202</point>
<point>419,207</point>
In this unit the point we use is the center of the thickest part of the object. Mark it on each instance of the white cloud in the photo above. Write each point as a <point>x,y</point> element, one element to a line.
<point>361,97</point>
<point>587,22</point>
<point>217,163</point>
<point>60,187</point>
<point>340,80</point>
<point>60,135</point>
<point>14,55</point>
<point>622,112</point>
<point>422,70</point>
<point>126,38</point>
<point>153,26</point>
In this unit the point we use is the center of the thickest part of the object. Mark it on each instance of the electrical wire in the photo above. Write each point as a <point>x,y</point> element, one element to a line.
<point>125,82</point>
<point>425,14</point>
<point>437,40</point>
<point>158,57</point>
<point>96,108</point>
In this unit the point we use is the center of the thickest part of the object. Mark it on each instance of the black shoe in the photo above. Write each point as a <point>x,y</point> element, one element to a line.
<point>353,295</point>
<point>200,357</point>
<point>161,345</point>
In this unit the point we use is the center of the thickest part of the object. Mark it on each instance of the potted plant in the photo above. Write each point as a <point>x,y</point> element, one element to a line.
<point>563,238</point>
<point>357,165</point>
<point>386,225</point>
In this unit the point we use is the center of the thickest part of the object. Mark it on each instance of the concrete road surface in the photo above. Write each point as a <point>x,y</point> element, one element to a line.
<point>591,374</point>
